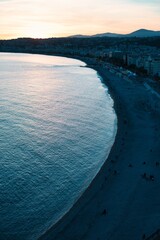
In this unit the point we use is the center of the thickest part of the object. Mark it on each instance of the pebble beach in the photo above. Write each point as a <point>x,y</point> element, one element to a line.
<point>122,202</point>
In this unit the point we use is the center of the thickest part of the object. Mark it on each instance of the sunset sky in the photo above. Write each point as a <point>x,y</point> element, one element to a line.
<point>58,18</point>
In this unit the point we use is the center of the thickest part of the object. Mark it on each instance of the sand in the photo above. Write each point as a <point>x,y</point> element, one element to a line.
<point>123,201</point>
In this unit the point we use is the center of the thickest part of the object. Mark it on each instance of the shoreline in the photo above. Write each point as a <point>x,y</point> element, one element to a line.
<point>120,203</point>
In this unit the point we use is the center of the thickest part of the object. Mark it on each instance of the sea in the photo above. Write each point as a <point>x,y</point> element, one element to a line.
<point>57,126</point>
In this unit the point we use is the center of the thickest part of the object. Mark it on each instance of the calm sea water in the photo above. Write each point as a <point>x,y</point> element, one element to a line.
<point>57,125</point>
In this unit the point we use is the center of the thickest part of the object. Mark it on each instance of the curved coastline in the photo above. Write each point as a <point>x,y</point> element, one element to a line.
<point>114,205</point>
<point>122,202</point>
<point>53,232</point>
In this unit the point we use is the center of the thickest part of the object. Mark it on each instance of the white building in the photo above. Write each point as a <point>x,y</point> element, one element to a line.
<point>155,67</point>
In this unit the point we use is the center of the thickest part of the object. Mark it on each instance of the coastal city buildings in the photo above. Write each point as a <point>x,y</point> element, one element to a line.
<point>138,55</point>
<point>149,62</point>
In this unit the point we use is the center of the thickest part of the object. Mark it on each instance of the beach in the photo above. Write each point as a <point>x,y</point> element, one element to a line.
<point>122,202</point>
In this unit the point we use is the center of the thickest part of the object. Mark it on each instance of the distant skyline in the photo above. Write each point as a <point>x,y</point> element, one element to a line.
<point>61,18</point>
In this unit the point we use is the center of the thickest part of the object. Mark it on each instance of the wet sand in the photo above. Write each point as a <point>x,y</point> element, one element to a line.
<point>123,201</point>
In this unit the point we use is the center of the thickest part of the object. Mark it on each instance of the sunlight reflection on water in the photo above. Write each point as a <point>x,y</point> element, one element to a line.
<point>57,127</point>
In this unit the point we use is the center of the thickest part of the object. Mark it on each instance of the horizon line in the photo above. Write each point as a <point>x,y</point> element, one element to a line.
<point>78,34</point>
